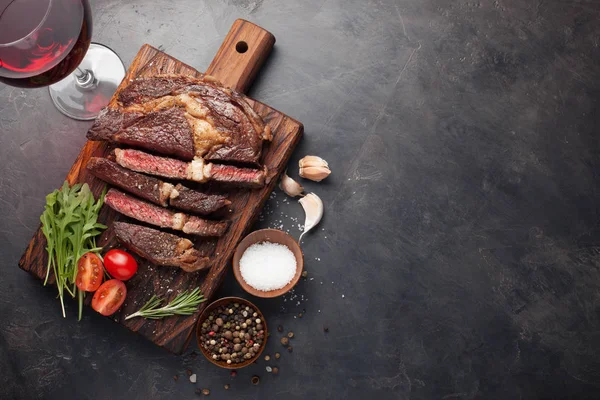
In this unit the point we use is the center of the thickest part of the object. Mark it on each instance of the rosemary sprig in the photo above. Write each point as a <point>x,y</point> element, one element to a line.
<point>184,304</point>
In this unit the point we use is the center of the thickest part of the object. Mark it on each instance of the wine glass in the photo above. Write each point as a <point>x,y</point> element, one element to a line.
<point>48,43</point>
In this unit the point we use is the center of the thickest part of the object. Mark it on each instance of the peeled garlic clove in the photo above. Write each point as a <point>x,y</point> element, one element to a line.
<point>313,161</point>
<point>314,168</point>
<point>313,208</point>
<point>290,186</point>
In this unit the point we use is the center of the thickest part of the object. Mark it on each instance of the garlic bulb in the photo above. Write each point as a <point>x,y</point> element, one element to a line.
<point>314,168</point>
<point>290,186</point>
<point>313,208</point>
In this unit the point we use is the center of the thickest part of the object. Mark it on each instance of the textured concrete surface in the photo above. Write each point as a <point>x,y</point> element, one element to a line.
<point>459,257</point>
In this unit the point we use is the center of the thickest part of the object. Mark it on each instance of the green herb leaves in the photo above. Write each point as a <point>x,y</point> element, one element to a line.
<point>70,224</point>
<point>184,304</point>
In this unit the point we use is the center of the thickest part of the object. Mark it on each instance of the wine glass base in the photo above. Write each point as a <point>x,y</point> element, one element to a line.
<point>84,103</point>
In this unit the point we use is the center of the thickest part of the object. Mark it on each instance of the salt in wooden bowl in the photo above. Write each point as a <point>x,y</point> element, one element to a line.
<point>272,236</point>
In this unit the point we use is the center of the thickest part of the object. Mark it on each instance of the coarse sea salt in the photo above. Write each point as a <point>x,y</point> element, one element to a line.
<point>268,266</point>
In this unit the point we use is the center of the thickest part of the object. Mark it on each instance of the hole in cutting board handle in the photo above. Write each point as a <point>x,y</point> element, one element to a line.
<point>241,47</point>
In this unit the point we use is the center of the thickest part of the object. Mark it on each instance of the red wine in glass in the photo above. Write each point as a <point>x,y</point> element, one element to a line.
<point>47,42</point>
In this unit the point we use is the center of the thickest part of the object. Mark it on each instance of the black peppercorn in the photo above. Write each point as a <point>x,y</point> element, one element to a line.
<point>255,380</point>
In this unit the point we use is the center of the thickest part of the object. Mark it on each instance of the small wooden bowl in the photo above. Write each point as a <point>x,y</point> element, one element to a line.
<point>273,236</point>
<point>204,316</point>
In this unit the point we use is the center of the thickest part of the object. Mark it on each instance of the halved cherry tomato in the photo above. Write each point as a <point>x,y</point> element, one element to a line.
<point>120,264</point>
<point>89,272</point>
<point>109,297</point>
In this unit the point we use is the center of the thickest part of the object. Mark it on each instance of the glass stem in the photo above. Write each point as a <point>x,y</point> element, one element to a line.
<point>84,78</point>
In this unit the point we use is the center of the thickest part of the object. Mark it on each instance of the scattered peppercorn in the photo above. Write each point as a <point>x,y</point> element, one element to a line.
<point>226,386</point>
<point>290,334</point>
<point>326,329</point>
<point>300,315</point>
<point>285,341</point>
<point>290,349</point>
<point>233,373</point>
<point>277,355</point>
<point>275,370</point>
<point>175,378</point>
<point>255,380</point>
<point>267,358</point>
<point>188,372</point>
<point>279,328</point>
<point>206,392</point>
<point>304,274</point>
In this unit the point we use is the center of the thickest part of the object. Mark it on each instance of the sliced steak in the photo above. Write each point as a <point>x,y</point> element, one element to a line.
<point>184,117</point>
<point>159,247</point>
<point>187,199</point>
<point>244,177</point>
<point>197,170</point>
<point>155,190</point>
<point>164,131</point>
<point>143,186</point>
<point>155,215</point>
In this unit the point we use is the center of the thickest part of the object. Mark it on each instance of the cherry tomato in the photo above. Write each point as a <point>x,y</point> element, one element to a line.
<point>109,297</point>
<point>120,264</point>
<point>89,272</point>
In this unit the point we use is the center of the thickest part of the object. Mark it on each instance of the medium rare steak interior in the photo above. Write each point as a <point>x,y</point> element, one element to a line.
<point>197,170</point>
<point>184,117</point>
<point>162,217</point>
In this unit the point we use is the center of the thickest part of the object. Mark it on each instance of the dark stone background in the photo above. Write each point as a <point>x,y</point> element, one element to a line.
<point>459,256</point>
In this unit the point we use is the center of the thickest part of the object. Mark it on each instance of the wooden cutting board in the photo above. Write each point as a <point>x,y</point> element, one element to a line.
<point>238,60</point>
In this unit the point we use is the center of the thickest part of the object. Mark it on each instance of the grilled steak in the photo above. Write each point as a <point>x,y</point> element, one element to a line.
<point>197,170</point>
<point>187,199</point>
<point>184,117</point>
<point>159,247</point>
<point>155,190</point>
<point>154,215</point>
<point>146,187</point>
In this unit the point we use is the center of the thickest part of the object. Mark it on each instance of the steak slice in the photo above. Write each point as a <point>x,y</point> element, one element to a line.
<point>187,199</point>
<point>155,190</point>
<point>185,117</point>
<point>143,186</point>
<point>160,248</point>
<point>165,131</point>
<point>197,170</point>
<point>155,215</point>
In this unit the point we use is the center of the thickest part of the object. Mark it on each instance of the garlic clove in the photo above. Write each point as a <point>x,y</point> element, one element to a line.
<point>290,186</point>
<point>316,174</point>
<point>313,161</point>
<point>314,168</point>
<point>313,209</point>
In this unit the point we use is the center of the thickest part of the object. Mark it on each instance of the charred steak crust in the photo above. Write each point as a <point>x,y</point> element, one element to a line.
<point>187,199</point>
<point>160,248</point>
<point>143,186</point>
<point>155,190</point>
<point>185,117</point>
<point>158,216</point>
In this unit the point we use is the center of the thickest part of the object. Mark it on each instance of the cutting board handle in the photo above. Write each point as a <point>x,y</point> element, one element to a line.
<point>243,52</point>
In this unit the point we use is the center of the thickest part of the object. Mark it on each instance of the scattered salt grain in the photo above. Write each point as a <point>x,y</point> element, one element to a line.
<point>268,266</point>
<point>193,378</point>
